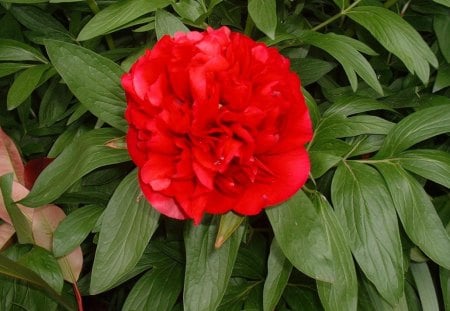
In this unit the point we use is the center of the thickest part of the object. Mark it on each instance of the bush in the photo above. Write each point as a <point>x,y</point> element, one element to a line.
<point>368,231</point>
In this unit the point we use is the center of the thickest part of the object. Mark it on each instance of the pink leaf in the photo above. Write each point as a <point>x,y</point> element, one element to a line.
<point>10,160</point>
<point>18,193</point>
<point>6,233</point>
<point>45,222</point>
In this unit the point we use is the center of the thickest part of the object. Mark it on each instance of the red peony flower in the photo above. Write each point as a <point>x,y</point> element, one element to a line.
<point>217,123</point>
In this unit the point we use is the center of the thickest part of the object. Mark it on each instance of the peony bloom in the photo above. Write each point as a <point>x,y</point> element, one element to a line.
<point>217,123</point>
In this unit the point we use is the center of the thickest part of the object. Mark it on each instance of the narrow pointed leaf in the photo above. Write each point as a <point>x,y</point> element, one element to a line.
<point>431,164</point>
<point>208,269</point>
<point>425,286</point>
<point>279,269</point>
<point>128,223</point>
<point>11,50</point>
<point>167,24</point>
<point>118,14</point>
<point>264,14</point>
<point>415,128</point>
<point>86,153</point>
<point>301,235</point>
<point>229,223</point>
<point>157,289</point>
<point>417,214</point>
<point>92,78</point>
<point>364,207</point>
<point>73,229</point>
<point>398,37</point>
<point>21,224</point>
<point>342,294</point>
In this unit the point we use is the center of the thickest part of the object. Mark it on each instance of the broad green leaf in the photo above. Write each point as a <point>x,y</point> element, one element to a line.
<point>208,269</point>
<point>15,270</point>
<point>26,1</point>
<point>442,78</point>
<point>425,286</point>
<point>74,229</point>
<point>347,54</point>
<point>10,68</point>
<point>264,14</point>
<point>342,294</point>
<point>128,223</point>
<point>83,155</point>
<point>118,14</point>
<point>353,104</point>
<point>157,289</point>
<point>11,50</point>
<point>364,208</point>
<point>54,103</point>
<point>370,299</point>
<point>167,24</point>
<point>93,79</point>
<point>311,69</point>
<point>415,128</point>
<point>441,25</point>
<point>431,164</point>
<point>278,271</point>
<point>301,235</point>
<point>45,265</point>
<point>21,223</point>
<point>24,84</point>
<point>398,37</point>
<point>321,162</point>
<point>417,213</point>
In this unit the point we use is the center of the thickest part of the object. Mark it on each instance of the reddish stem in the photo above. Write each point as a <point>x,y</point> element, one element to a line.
<point>78,297</point>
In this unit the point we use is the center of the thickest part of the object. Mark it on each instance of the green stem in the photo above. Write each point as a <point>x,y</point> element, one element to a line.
<point>249,25</point>
<point>95,9</point>
<point>337,16</point>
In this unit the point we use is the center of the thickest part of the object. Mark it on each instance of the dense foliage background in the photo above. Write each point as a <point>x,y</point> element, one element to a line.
<point>369,231</point>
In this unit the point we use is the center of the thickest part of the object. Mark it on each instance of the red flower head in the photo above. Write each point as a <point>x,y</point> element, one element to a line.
<point>217,123</point>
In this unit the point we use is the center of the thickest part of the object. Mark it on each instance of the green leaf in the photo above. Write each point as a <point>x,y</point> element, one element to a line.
<point>278,271</point>
<point>128,223</point>
<point>11,50</point>
<point>311,69</point>
<point>83,155</point>
<point>167,24</point>
<point>301,298</point>
<point>443,2</point>
<point>93,79</point>
<point>208,269</point>
<point>118,14</point>
<point>157,289</point>
<point>353,104</point>
<point>364,207</point>
<point>321,162</point>
<point>54,103</point>
<point>347,54</point>
<point>425,286</point>
<point>228,224</point>
<point>444,277</point>
<point>417,213</point>
<point>10,68</point>
<point>301,235</point>
<point>415,128</point>
<point>21,223</point>
<point>45,265</point>
<point>431,164</point>
<point>398,37</point>
<point>15,270</point>
<point>24,84</point>
<point>442,78</point>
<point>342,294</point>
<point>441,25</point>
<point>264,14</point>
<point>73,229</point>
<point>191,10</point>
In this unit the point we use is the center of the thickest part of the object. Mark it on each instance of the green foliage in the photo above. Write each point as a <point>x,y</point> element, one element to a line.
<point>370,229</point>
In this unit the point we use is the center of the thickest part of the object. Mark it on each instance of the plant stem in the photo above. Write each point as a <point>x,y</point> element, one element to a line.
<point>95,9</point>
<point>337,16</point>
